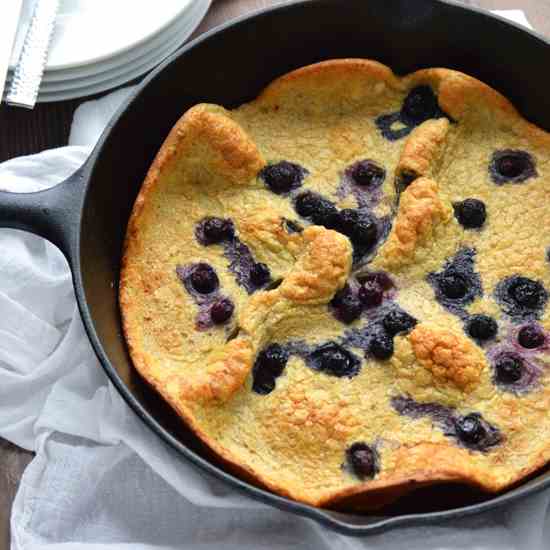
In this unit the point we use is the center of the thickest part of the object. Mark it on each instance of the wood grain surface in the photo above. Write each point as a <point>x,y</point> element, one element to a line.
<point>24,132</point>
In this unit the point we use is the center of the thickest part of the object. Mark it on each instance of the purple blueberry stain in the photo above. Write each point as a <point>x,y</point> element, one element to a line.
<point>471,431</point>
<point>213,230</point>
<point>202,283</point>
<point>361,295</point>
<point>376,337</point>
<point>521,298</point>
<point>365,230</point>
<point>511,166</point>
<point>330,358</point>
<point>249,274</point>
<point>363,179</point>
<point>514,371</point>
<point>457,284</point>
<point>419,105</point>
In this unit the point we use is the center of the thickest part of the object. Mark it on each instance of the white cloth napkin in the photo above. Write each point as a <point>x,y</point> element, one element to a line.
<point>100,478</point>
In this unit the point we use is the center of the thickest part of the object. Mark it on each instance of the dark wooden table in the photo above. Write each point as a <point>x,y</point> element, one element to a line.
<point>24,132</point>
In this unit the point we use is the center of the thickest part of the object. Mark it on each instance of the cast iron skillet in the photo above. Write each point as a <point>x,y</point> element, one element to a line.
<point>86,216</point>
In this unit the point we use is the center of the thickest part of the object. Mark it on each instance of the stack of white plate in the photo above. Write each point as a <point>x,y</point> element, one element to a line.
<point>101,44</point>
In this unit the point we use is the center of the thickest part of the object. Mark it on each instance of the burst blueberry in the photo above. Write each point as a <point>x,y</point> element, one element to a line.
<point>527,293</point>
<point>367,173</point>
<point>320,210</point>
<point>512,166</point>
<point>521,297</point>
<point>363,460</point>
<point>397,321</point>
<point>347,305</point>
<point>371,293</point>
<point>216,230</point>
<point>359,227</point>
<point>331,358</point>
<point>283,177</point>
<point>470,213</point>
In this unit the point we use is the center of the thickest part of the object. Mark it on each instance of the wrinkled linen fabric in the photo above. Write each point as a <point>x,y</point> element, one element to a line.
<point>101,479</point>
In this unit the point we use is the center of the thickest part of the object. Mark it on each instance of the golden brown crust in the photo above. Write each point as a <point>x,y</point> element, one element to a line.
<point>420,211</point>
<point>321,116</point>
<point>450,357</point>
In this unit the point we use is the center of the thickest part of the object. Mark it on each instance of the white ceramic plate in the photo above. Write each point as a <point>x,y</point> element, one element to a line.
<point>89,31</point>
<point>116,61</point>
<point>90,86</point>
<point>150,59</point>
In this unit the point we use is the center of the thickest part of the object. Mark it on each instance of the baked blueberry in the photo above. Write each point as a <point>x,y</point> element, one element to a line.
<point>363,460</point>
<point>457,285</point>
<point>470,213</point>
<point>366,173</point>
<point>521,298</point>
<point>397,321</point>
<point>508,368</point>
<point>381,346</point>
<point>221,311</point>
<point>260,274</point>
<point>269,365</point>
<point>470,429</point>
<point>511,166</point>
<point>204,279</point>
<point>420,105</point>
<point>530,337</point>
<point>306,204</point>
<point>216,230</point>
<point>331,358</point>
<point>347,305</point>
<point>527,293</point>
<point>453,285</point>
<point>482,327</point>
<point>321,211</point>
<point>371,293</point>
<point>283,176</point>
<point>359,227</point>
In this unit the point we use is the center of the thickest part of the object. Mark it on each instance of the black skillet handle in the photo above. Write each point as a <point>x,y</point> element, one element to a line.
<point>53,213</point>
